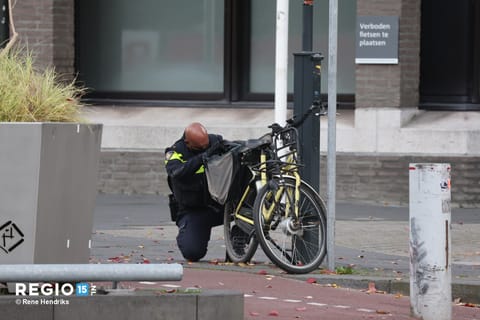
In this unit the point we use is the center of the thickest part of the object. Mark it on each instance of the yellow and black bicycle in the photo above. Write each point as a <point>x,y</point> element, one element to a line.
<point>268,203</point>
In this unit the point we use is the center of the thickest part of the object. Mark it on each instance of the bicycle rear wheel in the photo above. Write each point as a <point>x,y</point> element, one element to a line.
<point>240,241</point>
<point>296,245</point>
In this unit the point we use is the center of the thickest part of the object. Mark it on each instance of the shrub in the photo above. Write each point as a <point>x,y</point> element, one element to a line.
<point>30,95</point>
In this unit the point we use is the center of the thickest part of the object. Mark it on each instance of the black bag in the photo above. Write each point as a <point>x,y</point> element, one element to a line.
<point>172,202</point>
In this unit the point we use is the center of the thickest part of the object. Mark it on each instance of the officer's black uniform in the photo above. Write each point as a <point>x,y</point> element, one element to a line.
<point>197,213</point>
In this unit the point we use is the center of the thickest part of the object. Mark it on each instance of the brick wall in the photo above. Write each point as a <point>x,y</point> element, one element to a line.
<point>132,173</point>
<point>360,177</point>
<point>392,85</point>
<point>47,28</point>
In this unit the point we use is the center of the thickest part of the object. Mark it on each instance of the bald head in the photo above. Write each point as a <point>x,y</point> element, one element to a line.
<point>196,136</point>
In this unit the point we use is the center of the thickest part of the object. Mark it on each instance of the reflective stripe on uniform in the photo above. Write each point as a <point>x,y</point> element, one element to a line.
<point>178,156</point>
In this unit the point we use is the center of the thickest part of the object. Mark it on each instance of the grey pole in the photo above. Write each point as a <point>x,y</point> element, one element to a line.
<point>90,272</point>
<point>332,112</point>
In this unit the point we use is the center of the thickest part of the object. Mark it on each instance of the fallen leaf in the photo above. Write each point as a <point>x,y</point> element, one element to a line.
<point>254,314</point>
<point>471,305</point>
<point>301,309</point>
<point>262,272</point>
<point>311,280</point>
<point>382,312</point>
<point>327,271</point>
<point>273,313</point>
<point>372,289</point>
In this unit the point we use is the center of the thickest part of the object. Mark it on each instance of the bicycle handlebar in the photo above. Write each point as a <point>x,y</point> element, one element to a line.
<point>316,106</point>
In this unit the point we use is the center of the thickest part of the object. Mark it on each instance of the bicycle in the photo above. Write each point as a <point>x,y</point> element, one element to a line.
<point>269,204</point>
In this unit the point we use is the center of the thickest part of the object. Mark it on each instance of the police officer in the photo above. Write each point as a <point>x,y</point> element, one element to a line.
<point>197,212</point>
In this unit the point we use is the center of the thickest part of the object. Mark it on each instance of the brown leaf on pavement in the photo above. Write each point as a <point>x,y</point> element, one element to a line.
<point>382,312</point>
<point>273,313</point>
<point>311,280</point>
<point>372,289</point>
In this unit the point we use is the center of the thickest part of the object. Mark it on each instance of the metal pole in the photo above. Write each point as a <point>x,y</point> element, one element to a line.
<point>307,31</point>
<point>430,244</point>
<point>332,111</point>
<point>281,62</point>
<point>90,272</point>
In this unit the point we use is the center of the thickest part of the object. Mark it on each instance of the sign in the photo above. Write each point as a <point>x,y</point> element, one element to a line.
<point>377,40</point>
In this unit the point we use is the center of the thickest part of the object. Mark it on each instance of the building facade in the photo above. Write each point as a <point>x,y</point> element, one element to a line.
<point>152,66</point>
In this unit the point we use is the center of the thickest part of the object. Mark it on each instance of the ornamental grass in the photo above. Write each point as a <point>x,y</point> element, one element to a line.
<point>28,94</point>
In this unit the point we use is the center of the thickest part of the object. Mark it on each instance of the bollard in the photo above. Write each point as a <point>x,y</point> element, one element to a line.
<point>430,244</point>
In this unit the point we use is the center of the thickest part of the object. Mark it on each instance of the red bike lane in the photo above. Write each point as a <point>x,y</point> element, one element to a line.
<point>277,297</point>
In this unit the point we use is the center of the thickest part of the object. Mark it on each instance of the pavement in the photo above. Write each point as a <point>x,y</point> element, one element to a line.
<point>371,247</point>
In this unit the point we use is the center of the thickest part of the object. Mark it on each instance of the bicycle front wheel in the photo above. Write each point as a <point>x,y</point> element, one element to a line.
<point>240,241</point>
<point>296,244</point>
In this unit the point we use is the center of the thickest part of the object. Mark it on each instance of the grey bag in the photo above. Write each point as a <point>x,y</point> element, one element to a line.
<point>219,170</point>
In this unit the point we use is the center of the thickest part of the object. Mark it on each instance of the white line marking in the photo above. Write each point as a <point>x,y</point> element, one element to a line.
<point>365,310</point>
<point>170,286</point>
<point>268,298</point>
<point>293,301</point>
<point>342,307</point>
<point>317,304</point>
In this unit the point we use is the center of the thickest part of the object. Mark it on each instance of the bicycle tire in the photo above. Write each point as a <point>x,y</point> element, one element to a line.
<point>295,248</point>
<point>236,253</point>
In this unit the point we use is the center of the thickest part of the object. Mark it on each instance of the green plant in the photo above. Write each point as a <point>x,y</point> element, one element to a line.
<point>344,270</point>
<point>30,95</point>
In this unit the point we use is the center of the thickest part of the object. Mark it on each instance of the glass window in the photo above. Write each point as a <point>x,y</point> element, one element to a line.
<point>262,45</point>
<point>151,45</point>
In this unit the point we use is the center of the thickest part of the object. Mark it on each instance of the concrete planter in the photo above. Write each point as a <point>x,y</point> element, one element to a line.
<point>209,305</point>
<point>48,174</point>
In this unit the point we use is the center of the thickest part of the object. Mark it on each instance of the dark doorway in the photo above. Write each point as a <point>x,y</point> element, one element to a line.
<point>450,43</point>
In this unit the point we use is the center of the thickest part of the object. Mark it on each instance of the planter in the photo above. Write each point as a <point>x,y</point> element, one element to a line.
<point>208,305</point>
<point>48,174</point>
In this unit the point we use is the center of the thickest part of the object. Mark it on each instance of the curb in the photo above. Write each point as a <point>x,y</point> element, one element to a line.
<point>466,292</point>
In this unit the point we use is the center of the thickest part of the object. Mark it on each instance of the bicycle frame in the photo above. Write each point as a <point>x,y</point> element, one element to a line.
<point>289,168</point>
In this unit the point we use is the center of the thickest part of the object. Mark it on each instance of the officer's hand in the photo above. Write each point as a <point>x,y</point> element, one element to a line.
<point>214,149</point>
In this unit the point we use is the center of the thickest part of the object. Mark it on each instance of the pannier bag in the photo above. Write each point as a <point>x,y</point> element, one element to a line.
<point>220,171</point>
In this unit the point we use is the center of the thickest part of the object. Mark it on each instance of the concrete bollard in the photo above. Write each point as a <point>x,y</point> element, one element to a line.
<point>430,244</point>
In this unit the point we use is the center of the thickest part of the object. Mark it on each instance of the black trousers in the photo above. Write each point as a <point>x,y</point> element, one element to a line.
<point>194,229</point>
